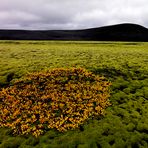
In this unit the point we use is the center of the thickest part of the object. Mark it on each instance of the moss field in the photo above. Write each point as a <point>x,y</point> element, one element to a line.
<point>124,64</point>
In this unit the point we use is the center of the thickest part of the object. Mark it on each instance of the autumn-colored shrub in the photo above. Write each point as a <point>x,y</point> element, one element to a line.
<point>59,98</point>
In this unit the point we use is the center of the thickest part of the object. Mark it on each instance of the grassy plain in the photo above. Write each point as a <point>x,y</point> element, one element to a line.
<point>125,64</point>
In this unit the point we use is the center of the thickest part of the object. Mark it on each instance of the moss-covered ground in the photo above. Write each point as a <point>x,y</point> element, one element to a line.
<point>125,64</point>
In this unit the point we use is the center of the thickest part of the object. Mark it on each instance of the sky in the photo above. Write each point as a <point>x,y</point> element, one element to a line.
<point>71,14</point>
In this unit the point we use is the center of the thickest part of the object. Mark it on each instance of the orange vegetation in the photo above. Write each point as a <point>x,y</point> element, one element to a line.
<point>59,98</point>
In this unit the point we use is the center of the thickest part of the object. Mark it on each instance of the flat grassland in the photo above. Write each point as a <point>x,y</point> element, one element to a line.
<point>125,64</point>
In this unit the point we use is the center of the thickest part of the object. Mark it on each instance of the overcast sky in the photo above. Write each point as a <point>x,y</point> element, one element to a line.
<point>71,14</point>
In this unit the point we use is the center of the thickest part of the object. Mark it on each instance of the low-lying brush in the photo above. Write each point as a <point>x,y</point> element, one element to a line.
<point>60,98</point>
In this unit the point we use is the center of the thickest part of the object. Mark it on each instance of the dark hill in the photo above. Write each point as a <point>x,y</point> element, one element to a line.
<point>120,32</point>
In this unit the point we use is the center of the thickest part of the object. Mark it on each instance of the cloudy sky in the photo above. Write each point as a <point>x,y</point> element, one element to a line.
<point>71,14</point>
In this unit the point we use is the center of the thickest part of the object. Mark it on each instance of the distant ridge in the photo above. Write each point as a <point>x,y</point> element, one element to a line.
<point>119,32</point>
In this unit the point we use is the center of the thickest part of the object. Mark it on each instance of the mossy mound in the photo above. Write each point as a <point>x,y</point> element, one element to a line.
<point>59,98</point>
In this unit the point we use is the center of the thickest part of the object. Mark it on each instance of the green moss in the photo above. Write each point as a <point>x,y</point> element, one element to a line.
<point>11,143</point>
<point>125,122</point>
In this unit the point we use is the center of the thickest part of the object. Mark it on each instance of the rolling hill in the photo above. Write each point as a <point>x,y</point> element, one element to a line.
<point>119,32</point>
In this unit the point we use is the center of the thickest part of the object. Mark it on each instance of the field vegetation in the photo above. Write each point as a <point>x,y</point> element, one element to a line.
<point>61,99</point>
<point>124,64</point>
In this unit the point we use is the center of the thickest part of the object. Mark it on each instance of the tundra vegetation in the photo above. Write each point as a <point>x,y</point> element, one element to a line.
<point>61,99</point>
<point>114,116</point>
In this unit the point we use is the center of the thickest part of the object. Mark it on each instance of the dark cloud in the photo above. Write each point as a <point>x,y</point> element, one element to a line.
<point>70,14</point>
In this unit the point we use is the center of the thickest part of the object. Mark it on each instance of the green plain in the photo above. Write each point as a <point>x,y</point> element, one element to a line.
<point>125,64</point>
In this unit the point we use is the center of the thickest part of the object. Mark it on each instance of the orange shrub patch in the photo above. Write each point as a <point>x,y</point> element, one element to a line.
<point>59,98</point>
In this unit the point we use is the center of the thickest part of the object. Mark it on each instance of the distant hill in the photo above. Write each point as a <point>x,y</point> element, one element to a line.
<point>119,32</point>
